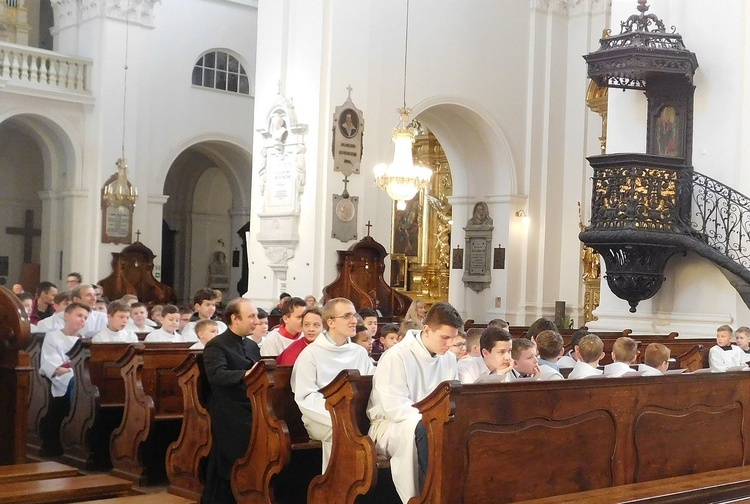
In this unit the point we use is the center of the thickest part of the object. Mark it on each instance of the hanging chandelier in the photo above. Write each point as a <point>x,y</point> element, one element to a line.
<point>402,179</point>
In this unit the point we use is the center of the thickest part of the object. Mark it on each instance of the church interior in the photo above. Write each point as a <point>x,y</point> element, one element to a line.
<point>574,161</point>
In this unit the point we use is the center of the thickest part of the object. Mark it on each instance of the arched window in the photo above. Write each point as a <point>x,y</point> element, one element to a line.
<point>220,70</point>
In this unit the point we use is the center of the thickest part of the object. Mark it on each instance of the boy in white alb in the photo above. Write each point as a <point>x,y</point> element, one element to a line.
<point>551,347</point>
<point>525,363</point>
<point>656,360</point>
<point>569,359</point>
<point>406,374</point>
<point>319,363</point>
<point>206,331</point>
<point>115,332</point>
<point>495,360</point>
<point>724,355</point>
<point>56,321</point>
<point>742,335</point>
<point>55,365</point>
<point>204,303</point>
<point>624,351</point>
<point>591,350</point>
<point>138,319</point>
<point>170,321</point>
<point>279,339</point>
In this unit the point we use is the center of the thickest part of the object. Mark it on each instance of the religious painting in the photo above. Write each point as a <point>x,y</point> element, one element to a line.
<point>407,228</point>
<point>667,131</point>
<point>348,123</point>
<point>399,264</point>
<point>458,258</point>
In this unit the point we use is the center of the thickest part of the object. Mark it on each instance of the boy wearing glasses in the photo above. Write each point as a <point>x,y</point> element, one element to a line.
<point>406,374</point>
<point>459,346</point>
<point>320,362</point>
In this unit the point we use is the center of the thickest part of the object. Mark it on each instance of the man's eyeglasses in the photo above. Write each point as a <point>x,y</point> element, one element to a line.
<point>459,345</point>
<point>345,316</point>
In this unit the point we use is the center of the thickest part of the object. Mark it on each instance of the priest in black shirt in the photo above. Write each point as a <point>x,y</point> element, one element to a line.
<point>227,359</point>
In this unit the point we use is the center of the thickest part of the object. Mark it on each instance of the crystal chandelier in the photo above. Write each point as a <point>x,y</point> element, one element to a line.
<point>401,179</point>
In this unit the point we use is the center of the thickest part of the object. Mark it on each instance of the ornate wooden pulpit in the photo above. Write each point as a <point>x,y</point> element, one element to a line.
<point>132,273</point>
<point>15,373</point>
<point>360,279</point>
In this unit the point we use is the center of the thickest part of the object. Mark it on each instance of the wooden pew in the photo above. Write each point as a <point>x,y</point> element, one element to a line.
<point>152,397</point>
<point>98,405</point>
<point>694,359</point>
<point>186,457</point>
<point>353,467</point>
<point>60,490</point>
<point>603,433</point>
<point>39,395</point>
<point>277,431</point>
<point>35,471</point>
<point>15,371</point>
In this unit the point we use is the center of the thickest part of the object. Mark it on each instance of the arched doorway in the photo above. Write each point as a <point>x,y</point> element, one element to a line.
<point>35,158</point>
<point>481,169</point>
<point>209,191</point>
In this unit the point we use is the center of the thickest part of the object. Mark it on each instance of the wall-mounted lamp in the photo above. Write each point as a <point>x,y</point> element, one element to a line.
<point>522,214</point>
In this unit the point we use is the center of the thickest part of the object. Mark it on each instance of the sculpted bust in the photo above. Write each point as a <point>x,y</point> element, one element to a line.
<point>480,215</point>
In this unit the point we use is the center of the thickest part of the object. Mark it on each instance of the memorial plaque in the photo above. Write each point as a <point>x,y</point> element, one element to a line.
<point>344,218</point>
<point>478,238</point>
<point>348,128</point>
<point>499,258</point>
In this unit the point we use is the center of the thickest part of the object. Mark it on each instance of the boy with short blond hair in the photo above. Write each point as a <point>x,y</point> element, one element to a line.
<point>138,318</point>
<point>591,350</point>
<point>551,347</point>
<point>117,320</point>
<point>525,363</point>
<point>624,352</point>
<point>473,335</point>
<point>206,330</point>
<point>742,335</point>
<point>724,355</point>
<point>655,360</point>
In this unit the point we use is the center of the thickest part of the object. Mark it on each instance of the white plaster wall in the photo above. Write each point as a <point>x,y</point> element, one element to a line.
<point>489,80</point>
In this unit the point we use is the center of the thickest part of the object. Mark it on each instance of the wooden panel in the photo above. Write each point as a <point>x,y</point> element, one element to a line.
<point>513,457</point>
<point>63,489</point>
<point>665,426</point>
<point>39,396</point>
<point>660,431</point>
<point>711,487</point>
<point>35,471</point>
<point>186,456</point>
<point>153,498</point>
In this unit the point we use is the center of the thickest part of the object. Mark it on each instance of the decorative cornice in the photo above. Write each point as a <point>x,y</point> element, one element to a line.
<point>70,12</point>
<point>571,7</point>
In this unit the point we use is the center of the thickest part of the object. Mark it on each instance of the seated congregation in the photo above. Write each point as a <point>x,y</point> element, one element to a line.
<point>334,403</point>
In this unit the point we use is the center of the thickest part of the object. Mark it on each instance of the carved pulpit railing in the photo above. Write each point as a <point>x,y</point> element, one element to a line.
<point>645,209</point>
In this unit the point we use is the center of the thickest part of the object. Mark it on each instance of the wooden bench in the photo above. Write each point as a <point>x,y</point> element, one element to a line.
<point>152,397</point>
<point>39,396</point>
<point>354,463</point>
<point>603,433</point>
<point>152,498</point>
<point>60,490</point>
<point>98,405</point>
<point>726,485</point>
<point>36,471</point>
<point>186,457</point>
<point>277,431</point>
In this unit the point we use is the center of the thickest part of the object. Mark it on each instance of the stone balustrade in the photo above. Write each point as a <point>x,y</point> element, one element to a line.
<point>39,69</point>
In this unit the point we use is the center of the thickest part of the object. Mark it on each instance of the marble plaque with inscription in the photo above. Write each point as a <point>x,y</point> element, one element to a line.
<point>478,255</point>
<point>344,219</point>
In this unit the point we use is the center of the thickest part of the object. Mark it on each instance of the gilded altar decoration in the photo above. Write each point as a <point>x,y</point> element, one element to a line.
<point>591,276</point>
<point>422,231</point>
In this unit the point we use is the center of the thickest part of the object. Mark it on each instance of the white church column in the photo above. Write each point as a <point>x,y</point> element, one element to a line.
<point>151,236</point>
<point>75,205</point>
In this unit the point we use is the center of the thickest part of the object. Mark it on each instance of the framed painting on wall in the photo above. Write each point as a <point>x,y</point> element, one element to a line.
<point>407,228</point>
